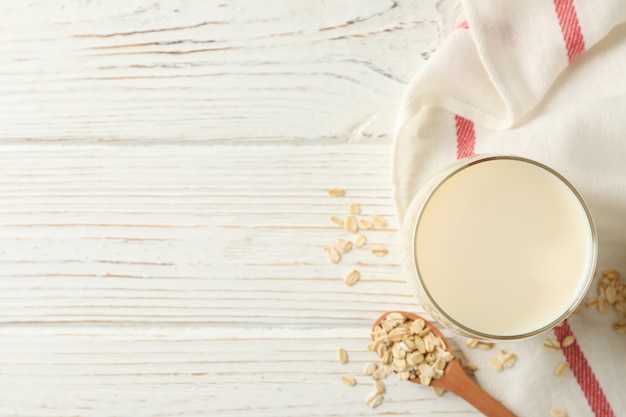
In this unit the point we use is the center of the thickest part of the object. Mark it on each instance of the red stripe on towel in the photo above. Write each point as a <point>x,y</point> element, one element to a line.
<point>463,25</point>
<point>465,137</point>
<point>570,28</point>
<point>584,374</point>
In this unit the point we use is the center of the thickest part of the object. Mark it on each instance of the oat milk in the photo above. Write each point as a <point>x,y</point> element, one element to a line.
<point>504,247</point>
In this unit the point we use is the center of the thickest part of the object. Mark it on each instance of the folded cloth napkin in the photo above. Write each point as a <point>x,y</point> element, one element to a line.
<point>543,79</point>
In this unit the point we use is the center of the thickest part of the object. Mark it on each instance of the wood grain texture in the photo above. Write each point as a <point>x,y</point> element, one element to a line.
<point>286,70</point>
<point>191,234</point>
<point>164,168</point>
<point>95,371</point>
<point>172,280</point>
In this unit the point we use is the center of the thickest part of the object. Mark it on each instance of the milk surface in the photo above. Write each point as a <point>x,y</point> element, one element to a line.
<point>504,247</point>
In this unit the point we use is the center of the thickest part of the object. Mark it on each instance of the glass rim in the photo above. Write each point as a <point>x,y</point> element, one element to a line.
<point>471,161</point>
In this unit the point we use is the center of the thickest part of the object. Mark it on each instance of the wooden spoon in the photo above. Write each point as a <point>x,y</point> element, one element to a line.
<point>454,379</point>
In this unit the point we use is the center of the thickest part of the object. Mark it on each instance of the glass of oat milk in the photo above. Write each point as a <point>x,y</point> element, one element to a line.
<point>499,247</point>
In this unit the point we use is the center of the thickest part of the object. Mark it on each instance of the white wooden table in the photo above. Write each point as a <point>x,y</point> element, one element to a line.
<point>164,168</point>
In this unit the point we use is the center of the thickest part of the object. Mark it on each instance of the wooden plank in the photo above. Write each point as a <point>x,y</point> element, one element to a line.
<point>240,70</point>
<point>196,371</point>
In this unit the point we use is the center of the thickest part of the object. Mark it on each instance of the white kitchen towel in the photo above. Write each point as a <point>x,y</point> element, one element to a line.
<point>543,79</point>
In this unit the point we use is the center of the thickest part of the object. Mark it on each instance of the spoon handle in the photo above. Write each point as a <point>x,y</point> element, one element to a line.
<point>458,382</point>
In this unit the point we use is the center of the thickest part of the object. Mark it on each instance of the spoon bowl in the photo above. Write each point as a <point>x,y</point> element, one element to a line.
<point>455,380</point>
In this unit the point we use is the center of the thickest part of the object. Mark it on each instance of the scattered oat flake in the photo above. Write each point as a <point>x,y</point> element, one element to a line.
<point>603,306</point>
<point>551,345</point>
<point>557,412</point>
<point>348,380</point>
<point>438,391</point>
<point>620,327</point>
<point>380,386</point>
<point>342,356</point>
<point>351,277</point>
<point>561,369</point>
<point>377,400</point>
<point>336,220</point>
<point>495,364</point>
<point>336,192</point>
<point>350,224</point>
<point>471,343</point>
<point>360,241</point>
<point>343,246</point>
<point>333,254</point>
<point>379,374</point>
<point>379,221</point>
<point>380,250</point>
<point>373,399</point>
<point>354,208</point>
<point>485,345</point>
<point>611,294</point>
<point>369,369</point>
<point>365,224</point>
<point>507,359</point>
<point>395,316</point>
<point>568,340</point>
